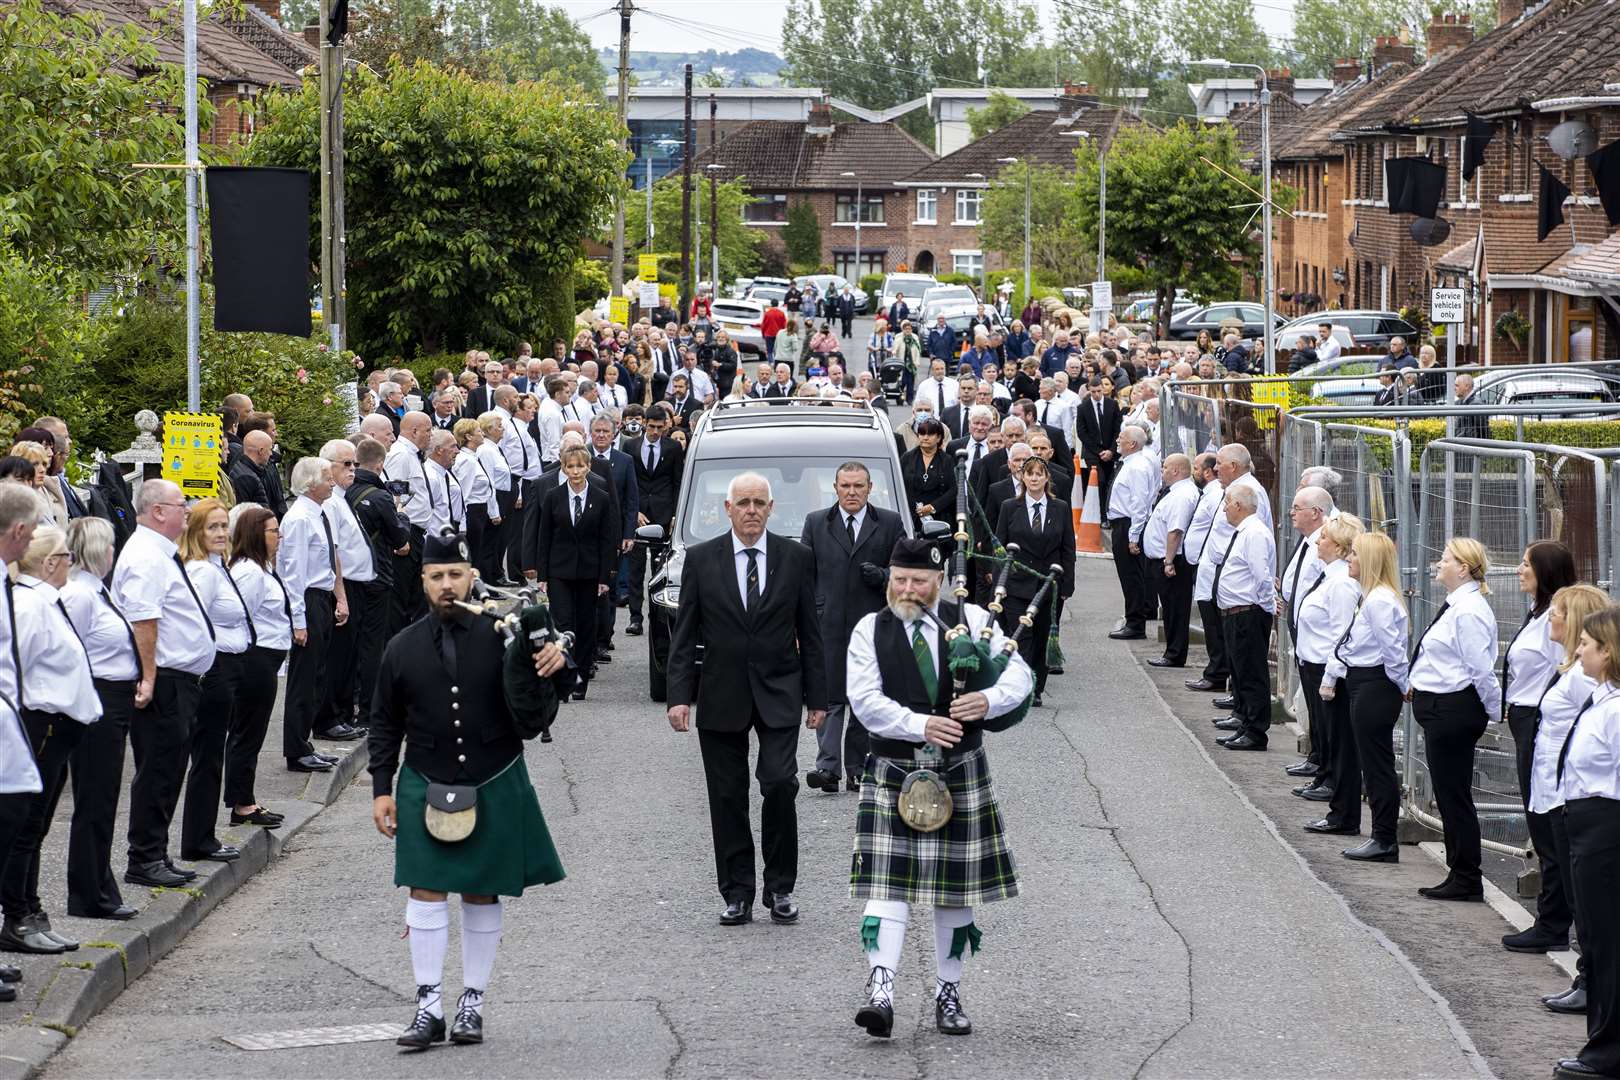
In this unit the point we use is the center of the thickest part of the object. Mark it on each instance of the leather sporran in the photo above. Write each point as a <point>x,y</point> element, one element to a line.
<point>925,801</point>
<point>451,812</point>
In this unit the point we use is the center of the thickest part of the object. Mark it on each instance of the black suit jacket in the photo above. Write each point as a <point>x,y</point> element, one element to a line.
<point>1055,544</point>
<point>586,550</point>
<point>530,555</point>
<point>955,420</point>
<point>1473,427</point>
<point>684,411</point>
<point>622,479</point>
<point>248,482</point>
<point>660,488</point>
<point>1093,439</point>
<point>842,597</point>
<point>767,660</point>
<point>991,468</point>
<point>936,489</point>
<point>479,401</point>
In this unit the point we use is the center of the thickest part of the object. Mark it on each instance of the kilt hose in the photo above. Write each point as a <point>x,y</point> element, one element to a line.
<point>965,863</point>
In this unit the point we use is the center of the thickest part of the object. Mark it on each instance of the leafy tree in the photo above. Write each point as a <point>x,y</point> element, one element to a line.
<point>1223,28</point>
<point>739,243</point>
<point>802,234</point>
<point>467,202</point>
<point>1058,244</point>
<point>1325,30</point>
<point>1000,109</point>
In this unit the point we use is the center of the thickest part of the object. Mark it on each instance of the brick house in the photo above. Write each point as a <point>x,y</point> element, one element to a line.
<point>845,171</point>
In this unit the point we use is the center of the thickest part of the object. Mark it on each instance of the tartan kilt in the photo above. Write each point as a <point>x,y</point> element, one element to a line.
<point>965,863</point>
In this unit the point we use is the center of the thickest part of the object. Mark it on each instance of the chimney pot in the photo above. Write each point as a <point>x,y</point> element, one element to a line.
<point>1508,10</point>
<point>1391,50</point>
<point>1346,70</point>
<point>312,35</point>
<point>1447,34</point>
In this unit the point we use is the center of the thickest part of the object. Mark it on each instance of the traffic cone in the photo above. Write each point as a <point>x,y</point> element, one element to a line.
<point>1088,521</point>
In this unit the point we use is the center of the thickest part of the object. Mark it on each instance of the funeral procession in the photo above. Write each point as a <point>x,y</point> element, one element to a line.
<point>703,539</point>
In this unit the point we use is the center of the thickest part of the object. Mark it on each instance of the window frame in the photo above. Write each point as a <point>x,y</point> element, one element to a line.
<point>965,195</point>
<point>932,195</point>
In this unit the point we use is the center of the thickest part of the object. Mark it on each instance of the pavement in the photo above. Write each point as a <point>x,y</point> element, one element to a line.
<point>1174,921</point>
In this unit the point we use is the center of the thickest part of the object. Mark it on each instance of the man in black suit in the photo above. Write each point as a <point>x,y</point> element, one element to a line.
<point>845,306</point>
<point>659,461</point>
<point>482,398</point>
<point>980,420</point>
<point>683,404</point>
<point>850,544</point>
<point>622,479</point>
<point>956,417</point>
<point>1097,422</point>
<point>666,356</point>
<point>763,379</point>
<point>749,599</point>
<point>246,474</point>
<point>993,466</point>
<point>1026,411</point>
<point>784,386</point>
<point>1470,427</point>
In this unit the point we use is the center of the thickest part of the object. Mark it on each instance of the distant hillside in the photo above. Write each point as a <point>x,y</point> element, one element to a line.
<point>745,67</point>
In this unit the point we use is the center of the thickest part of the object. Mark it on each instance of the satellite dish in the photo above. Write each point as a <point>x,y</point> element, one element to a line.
<point>1572,139</point>
<point>1428,232</point>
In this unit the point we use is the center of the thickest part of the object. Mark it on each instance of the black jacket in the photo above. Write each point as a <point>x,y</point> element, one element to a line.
<point>934,487</point>
<point>768,660</point>
<point>1094,440</point>
<point>1055,544</point>
<point>529,554</point>
<point>374,508</point>
<point>842,595</point>
<point>248,482</point>
<point>577,551</point>
<point>660,488</point>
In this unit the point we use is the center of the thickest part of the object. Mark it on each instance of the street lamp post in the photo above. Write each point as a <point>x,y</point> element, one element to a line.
<point>857,266</point>
<point>1102,200</point>
<point>1014,161</point>
<point>1265,206</point>
<point>714,230</point>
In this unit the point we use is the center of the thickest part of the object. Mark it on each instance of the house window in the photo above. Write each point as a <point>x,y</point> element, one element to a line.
<point>871,208</point>
<point>765,209</point>
<point>967,206</point>
<point>927,206</point>
<point>967,262</point>
<point>872,262</point>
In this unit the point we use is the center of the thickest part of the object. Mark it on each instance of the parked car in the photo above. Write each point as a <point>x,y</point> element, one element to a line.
<point>780,282</point>
<point>833,285</point>
<point>1509,386</point>
<point>798,446</point>
<point>960,317</point>
<point>1185,325</point>
<point>764,294</point>
<point>1368,329</point>
<point>740,319</point>
<point>1141,311</point>
<point>913,285</point>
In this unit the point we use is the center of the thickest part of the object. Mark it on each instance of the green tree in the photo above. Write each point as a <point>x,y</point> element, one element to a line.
<point>467,202</point>
<point>526,39</point>
<point>1219,28</point>
<point>1325,30</point>
<point>802,234</point>
<point>1000,109</point>
<point>1058,244</point>
<point>739,243</point>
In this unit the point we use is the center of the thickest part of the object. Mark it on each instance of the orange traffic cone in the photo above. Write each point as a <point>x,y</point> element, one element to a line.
<point>1088,521</point>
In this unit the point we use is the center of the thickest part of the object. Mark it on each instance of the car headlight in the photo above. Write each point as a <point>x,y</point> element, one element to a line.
<point>669,596</point>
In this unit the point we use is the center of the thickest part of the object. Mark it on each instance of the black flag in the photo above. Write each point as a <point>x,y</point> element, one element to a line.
<point>1605,166</point>
<point>337,26</point>
<point>1480,133</point>
<point>258,224</point>
<point>1550,212</point>
<point>1415,186</point>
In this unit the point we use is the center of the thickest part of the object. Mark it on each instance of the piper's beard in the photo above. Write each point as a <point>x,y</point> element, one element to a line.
<point>907,609</point>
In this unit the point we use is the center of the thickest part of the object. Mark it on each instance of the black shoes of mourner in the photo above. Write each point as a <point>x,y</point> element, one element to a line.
<point>948,1015</point>
<point>158,874</point>
<point>1243,742</point>
<point>1129,633</point>
<point>1373,851</point>
<point>121,913</point>
<point>1317,792</point>
<point>1332,828</point>
<point>189,875</point>
<point>634,629</point>
<point>603,657</point>
<point>1535,940</point>
<point>877,1015</point>
<point>42,923</point>
<point>1452,890</point>
<point>852,782</point>
<point>580,688</point>
<point>1576,1069</point>
<point>258,816</point>
<point>782,908</point>
<point>1571,1002</point>
<point>545,736</point>
<point>1165,661</point>
<point>1206,685</point>
<point>1036,702</point>
<point>9,974</point>
<point>469,1025</point>
<point>426,1029</point>
<point>340,733</point>
<point>310,763</point>
<point>822,780</point>
<point>1228,723</point>
<point>737,912</point>
<point>7,993</point>
<point>1305,768</point>
<point>1056,669</point>
<point>1226,701</point>
<point>223,853</point>
<point>20,935</point>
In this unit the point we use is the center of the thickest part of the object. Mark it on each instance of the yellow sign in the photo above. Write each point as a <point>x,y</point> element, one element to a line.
<point>648,266</point>
<point>1268,391</point>
<point>191,452</point>
<point>619,310</point>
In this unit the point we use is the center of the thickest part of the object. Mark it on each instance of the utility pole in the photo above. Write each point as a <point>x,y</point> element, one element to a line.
<point>714,203</point>
<point>688,138</point>
<point>193,290</point>
<point>616,270</point>
<point>332,240</point>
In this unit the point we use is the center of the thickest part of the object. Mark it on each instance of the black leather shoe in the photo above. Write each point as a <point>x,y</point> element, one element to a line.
<point>1452,890</point>
<point>1244,742</point>
<point>258,816</point>
<point>7,993</point>
<point>1315,792</point>
<point>1373,851</point>
<point>877,1015</point>
<point>579,689</point>
<point>737,912</point>
<point>1571,1002</point>
<point>602,657</point>
<point>155,874</point>
<point>1164,661</point>
<point>1535,940</point>
<point>189,875</point>
<point>1202,684</point>
<point>340,733</point>
<point>1306,768</point>
<point>9,974</point>
<point>469,1025</point>
<point>545,736</point>
<point>822,781</point>
<point>121,913</point>
<point>1576,1069</point>
<point>1128,635</point>
<point>783,910</point>
<point>310,763</point>
<point>948,1015</point>
<point>852,782</point>
<point>41,922</point>
<point>1055,670</point>
<point>1036,702</point>
<point>634,629</point>
<point>1225,702</point>
<point>426,1029</point>
<point>1330,827</point>
<point>223,853</point>
<point>1228,723</point>
<point>18,935</point>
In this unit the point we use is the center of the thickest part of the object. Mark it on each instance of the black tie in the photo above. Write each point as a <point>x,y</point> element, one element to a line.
<point>579,507</point>
<point>1345,640</point>
<point>11,615</point>
<point>331,548</point>
<point>941,383</point>
<point>193,590</point>
<point>1215,586</point>
<point>522,445</point>
<point>128,629</point>
<point>753,577</point>
<point>1293,609</point>
<point>1563,752</point>
<point>447,646</point>
<point>286,601</point>
<point>1035,517</point>
<point>1418,648</point>
<point>978,449</point>
<point>63,609</point>
<point>253,633</point>
<point>849,527</point>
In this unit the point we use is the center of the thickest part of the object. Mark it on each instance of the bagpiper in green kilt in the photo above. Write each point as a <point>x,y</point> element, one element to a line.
<point>508,850</point>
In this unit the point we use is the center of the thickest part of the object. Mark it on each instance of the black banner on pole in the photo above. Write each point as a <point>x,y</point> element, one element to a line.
<point>259,231</point>
<point>1415,185</point>
<point>1549,204</point>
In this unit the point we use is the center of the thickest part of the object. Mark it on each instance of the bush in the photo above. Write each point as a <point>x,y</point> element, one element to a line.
<point>802,233</point>
<point>591,283</point>
<point>42,329</point>
<point>872,285</point>
<point>1571,433</point>
<point>971,280</point>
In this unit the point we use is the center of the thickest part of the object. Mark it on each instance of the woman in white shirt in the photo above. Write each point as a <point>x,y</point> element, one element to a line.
<point>254,539</point>
<point>1529,665</point>
<point>57,698</point>
<point>97,768</point>
<point>499,533</point>
<point>1369,666</point>
<point>477,489</point>
<point>203,547</point>
<point>610,390</point>
<point>1454,694</point>
<point>1589,781</point>
<point>1321,616</point>
<point>1568,691</point>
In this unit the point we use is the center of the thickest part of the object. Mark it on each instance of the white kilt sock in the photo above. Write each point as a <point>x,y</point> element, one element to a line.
<point>429,923</point>
<point>947,920</point>
<point>891,937</point>
<point>480,938</point>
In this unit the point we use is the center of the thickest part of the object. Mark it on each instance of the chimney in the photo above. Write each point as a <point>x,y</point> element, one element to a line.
<point>271,8</point>
<point>312,35</point>
<point>1080,95</point>
<point>1508,11</point>
<point>1281,83</point>
<point>1392,50</point>
<point>821,121</point>
<point>1346,71</point>
<point>1448,33</point>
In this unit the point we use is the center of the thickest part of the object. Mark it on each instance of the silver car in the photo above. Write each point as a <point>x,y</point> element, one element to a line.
<point>740,319</point>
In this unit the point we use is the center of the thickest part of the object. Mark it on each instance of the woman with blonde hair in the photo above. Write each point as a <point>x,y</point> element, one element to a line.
<point>1454,693</point>
<point>1369,666</point>
<point>255,536</point>
<point>1321,615</point>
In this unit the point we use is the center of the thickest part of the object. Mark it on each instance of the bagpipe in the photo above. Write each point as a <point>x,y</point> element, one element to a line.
<point>524,619</point>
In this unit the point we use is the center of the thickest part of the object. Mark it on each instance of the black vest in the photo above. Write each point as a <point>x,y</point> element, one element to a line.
<point>902,682</point>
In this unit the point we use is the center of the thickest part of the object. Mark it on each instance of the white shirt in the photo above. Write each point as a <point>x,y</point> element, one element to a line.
<point>18,773</point>
<point>55,670</point>
<point>887,718</point>
<point>1532,658</point>
<point>737,549</point>
<point>1459,650</point>
<point>549,422</point>
<point>444,500</point>
<point>940,393</point>
<point>228,614</point>
<point>1055,413</point>
<point>698,379</point>
<point>404,462</point>
<point>614,397</point>
<point>1559,706</point>
<point>1131,496</point>
<point>476,485</point>
<point>1378,634</point>
<point>495,466</point>
<point>1324,612</point>
<point>1329,349</point>
<point>1174,513</point>
<point>268,603</point>
<point>1221,534</point>
<point>354,549</point>
<point>1304,567</point>
<point>1029,510</point>
<point>304,560</point>
<point>522,456</point>
<point>1246,572</point>
<point>1592,766</point>
<point>859,516</point>
<point>149,584</point>
<point>108,638</point>
<point>1203,521</point>
<point>579,411</point>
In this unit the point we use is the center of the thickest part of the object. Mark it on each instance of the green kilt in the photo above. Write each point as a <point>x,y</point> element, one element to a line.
<point>508,850</point>
<point>967,862</point>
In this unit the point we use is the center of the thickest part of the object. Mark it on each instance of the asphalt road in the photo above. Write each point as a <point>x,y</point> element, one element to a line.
<point>1165,928</point>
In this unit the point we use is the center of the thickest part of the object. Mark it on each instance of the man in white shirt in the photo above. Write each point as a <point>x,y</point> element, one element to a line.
<point>1163,541</point>
<point>1327,346</point>
<point>312,574</point>
<point>698,379</point>
<point>1244,593</point>
<point>1129,505</point>
<point>175,641</point>
<point>550,420</point>
<point>403,465</point>
<point>939,392</point>
<point>365,631</point>
<point>1233,467</point>
<point>445,500</point>
<point>19,516</point>
<point>1309,511</point>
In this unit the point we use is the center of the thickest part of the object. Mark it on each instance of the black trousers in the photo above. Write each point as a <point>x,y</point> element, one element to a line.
<point>725,769</point>
<point>1318,714</point>
<point>477,526</point>
<point>53,737</point>
<point>216,714</point>
<point>407,603</point>
<point>351,667</point>
<point>1032,646</point>
<point>306,671</point>
<point>1175,597</point>
<point>1332,740</point>
<point>498,536</point>
<point>1133,585</point>
<point>1452,723</point>
<point>573,605</point>
<point>1105,483</point>
<point>1375,709</point>
<point>514,527</point>
<point>1219,667</point>
<point>606,612</point>
<point>1560,835</point>
<point>1594,854</point>
<point>97,772</point>
<point>252,720</point>
<point>1553,910</point>
<point>160,736</point>
<point>1248,637</point>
